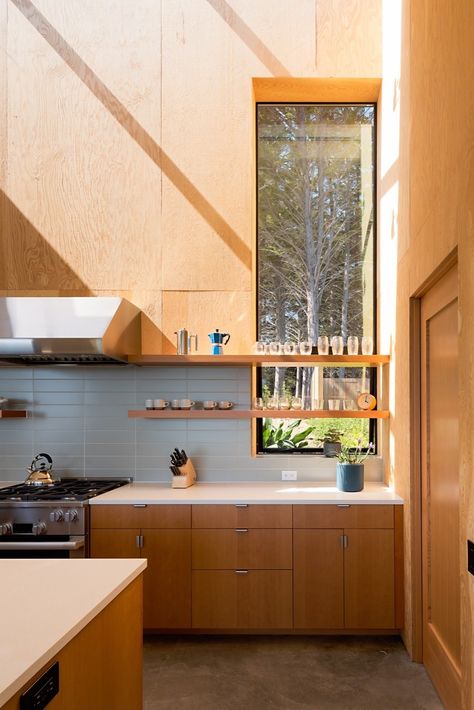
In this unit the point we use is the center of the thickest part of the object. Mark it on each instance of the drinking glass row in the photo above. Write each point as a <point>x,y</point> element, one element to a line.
<point>308,403</point>
<point>306,347</point>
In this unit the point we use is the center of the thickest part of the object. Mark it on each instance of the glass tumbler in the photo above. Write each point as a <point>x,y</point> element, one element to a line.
<point>305,347</point>
<point>297,403</point>
<point>337,345</point>
<point>323,345</point>
<point>367,345</point>
<point>258,403</point>
<point>275,348</point>
<point>289,348</point>
<point>259,348</point>
<point>352,345</point>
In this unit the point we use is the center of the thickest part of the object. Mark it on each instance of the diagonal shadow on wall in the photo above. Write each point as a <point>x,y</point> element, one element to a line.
<point>249,38</point>
<point>135,130</point>
<point>27,261</point>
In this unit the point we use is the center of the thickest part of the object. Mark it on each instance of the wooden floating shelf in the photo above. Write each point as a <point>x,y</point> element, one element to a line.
<point>13,413</point>
<point>255,414</point>
<point>241,360</point>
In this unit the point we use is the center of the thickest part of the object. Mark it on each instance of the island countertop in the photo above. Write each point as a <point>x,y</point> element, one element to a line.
<point>322,493</point>
<point>71,592</point>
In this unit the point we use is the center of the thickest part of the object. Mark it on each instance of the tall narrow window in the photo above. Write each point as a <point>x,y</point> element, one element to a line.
<point>316,255</point>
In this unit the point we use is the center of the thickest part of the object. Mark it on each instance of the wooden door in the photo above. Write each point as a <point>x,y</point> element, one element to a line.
<point>369,577</point>
<point>318,579</point>
<point>115,543</point>
<point>167,579</point>
<point>440,488</point>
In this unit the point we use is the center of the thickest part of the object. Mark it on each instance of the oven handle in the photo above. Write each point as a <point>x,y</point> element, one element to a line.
<point>74,543</point>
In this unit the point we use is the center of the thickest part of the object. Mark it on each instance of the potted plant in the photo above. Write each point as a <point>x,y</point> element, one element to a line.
<point>331,442</point>
<point>350,467</point>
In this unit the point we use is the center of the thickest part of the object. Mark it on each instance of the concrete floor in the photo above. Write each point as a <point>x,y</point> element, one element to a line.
<point>283,673</point>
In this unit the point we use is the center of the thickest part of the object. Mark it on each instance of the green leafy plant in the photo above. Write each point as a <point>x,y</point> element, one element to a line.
<point>357,454</point>
<point>332,436</point>
<point>285,436</point>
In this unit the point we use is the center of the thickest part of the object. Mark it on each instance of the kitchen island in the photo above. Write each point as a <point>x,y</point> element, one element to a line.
<point>86,615</point>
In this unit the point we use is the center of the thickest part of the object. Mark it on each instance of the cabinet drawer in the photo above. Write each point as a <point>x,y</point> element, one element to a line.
<point>242,548</point>
<point>148,516</point>
<point>242,515</point>
<point>256,599</point>
<point>334,516</point>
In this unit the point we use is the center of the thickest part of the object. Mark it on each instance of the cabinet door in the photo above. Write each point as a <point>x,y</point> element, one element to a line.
<point>242,548</point>
<point>114,543</point>
<point>167,579</point>
<point>265,599</point>
<point>369,579</point>
<point>214,599</point>
<point>242,599</point>
<point>318,560</point>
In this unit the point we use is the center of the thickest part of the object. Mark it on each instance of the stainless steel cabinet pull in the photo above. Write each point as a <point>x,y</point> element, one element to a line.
<point>344,541</point>
<point>241,505</point>
<point>241,571</point>
<point>139,540</point>
<point>139,505</point>
<point>241,530</point>
<point>343,505</point>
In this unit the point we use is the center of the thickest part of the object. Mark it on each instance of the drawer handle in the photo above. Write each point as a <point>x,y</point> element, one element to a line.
<point>241,530</point>
<point>139,505</point>
<point>344,542</point>
<point>343,505</point>
<point>241,505</point>
<point>241,571</point>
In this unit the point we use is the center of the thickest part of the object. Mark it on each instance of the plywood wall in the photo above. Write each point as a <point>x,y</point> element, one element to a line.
<point>427,206</point>
<point>127,141</point>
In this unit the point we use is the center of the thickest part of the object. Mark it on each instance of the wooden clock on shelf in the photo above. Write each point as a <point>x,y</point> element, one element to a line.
<point>366,401</point>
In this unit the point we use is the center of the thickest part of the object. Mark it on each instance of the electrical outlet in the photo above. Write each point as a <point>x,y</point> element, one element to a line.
<point>289,475</point>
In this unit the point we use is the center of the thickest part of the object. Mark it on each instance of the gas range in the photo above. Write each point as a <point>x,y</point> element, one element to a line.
<point>69,489</point>
<point>39,520</point>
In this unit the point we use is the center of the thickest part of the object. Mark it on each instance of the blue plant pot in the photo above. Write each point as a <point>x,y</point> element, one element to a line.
<point>350,477</point>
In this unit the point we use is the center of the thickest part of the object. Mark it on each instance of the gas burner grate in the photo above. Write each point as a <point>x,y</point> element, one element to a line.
<point>74,489</point>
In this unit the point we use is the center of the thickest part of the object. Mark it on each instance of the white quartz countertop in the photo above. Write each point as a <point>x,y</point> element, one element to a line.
<point>214,493</point>
<point>45,603</point>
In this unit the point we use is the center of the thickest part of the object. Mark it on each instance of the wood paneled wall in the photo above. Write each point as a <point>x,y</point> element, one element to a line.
<point>427,206</point>
<point>127,136</point>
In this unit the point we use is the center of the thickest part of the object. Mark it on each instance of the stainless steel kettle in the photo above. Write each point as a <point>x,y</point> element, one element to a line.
<point>184,341</point>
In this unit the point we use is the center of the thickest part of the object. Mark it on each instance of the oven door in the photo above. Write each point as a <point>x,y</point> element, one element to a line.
<point>31,547</point>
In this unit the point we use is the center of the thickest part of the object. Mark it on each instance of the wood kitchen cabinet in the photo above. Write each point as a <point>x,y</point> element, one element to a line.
<point>242,560</point>
<point>161,534</point>
<point>347,577</point>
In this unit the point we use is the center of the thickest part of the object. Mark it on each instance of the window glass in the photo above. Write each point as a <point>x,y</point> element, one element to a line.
<point>315,263</point>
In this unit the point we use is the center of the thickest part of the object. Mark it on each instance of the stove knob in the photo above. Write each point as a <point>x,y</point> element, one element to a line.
<point>39,528</point>
<point>6,529</point>
<point>70,516</point>
<point>56,516</point>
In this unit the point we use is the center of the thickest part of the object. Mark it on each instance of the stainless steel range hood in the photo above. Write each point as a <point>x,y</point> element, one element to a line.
<point>86,330</point>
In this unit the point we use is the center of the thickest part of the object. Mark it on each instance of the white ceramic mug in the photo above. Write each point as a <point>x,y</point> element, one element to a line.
<point>186,403</point>
<point>148,404</point>
<point>209,404</point>
<point>175,404</point>
<point>225,404</point>
<point>160,404</point>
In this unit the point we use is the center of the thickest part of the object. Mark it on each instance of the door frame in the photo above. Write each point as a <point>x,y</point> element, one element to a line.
<point>416,591</point>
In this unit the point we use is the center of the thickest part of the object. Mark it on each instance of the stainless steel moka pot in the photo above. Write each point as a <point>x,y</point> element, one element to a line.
<point>183,341</point>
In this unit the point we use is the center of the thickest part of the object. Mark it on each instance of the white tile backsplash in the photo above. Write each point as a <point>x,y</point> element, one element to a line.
<point>79,416</point>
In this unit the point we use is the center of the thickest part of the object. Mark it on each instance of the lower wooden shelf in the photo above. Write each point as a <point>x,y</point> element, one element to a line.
<point>254,414</point>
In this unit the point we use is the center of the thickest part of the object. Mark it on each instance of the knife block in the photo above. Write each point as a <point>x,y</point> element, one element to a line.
<point>187,478</point>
